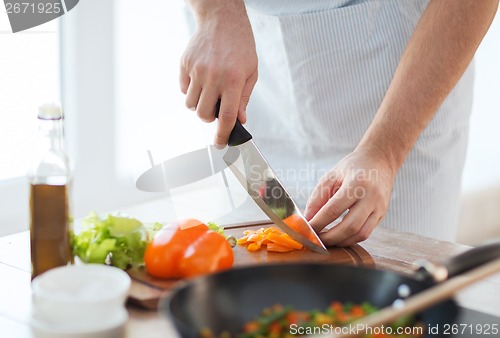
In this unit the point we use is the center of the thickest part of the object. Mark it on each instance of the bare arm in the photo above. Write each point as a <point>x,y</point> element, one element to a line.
<point>439,51</point>
<point>220,61</point>
<point>437,55</point>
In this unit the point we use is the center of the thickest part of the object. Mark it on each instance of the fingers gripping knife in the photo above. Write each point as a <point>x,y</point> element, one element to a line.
<point>257,177</point>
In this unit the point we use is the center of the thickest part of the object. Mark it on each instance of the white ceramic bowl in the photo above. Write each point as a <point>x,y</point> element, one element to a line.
<point>112,328</point>
<point>79,298</point>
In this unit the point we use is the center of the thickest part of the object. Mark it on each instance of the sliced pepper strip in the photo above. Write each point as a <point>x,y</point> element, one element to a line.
<point>243,240</point>
<point>284,240</point>
<point>254,246</point>
<point>272,230</point>
<point>274,247</point>
<point>272,237</point>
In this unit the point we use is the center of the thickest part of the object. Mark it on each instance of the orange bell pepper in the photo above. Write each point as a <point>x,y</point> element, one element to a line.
<point>187,249</point>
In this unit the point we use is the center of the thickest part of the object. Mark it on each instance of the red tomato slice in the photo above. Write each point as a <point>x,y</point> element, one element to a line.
<point>208,254</point>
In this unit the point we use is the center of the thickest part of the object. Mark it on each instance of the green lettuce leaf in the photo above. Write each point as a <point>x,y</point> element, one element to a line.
<point>118,239</point>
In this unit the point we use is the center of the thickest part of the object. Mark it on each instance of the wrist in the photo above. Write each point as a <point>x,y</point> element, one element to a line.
<point>209,10</point>
<point>391,136</point>
<point>386,155</point>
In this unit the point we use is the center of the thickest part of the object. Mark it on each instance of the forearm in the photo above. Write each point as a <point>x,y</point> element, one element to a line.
<point>437,55</point>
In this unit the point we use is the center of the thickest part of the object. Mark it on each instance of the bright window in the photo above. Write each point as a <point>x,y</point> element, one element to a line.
<point>482,165</point>
<point>29,68</point>
<point>151,111</point>
<point>29,76</point>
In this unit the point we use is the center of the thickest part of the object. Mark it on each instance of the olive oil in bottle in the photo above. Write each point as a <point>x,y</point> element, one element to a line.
<point>49,180</point>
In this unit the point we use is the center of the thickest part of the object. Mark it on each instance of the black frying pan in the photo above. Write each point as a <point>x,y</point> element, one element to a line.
<point>225,301</point>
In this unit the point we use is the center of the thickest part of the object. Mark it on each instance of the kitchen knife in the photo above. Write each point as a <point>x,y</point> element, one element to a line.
<point>182,170</point>
<point>257,177</point>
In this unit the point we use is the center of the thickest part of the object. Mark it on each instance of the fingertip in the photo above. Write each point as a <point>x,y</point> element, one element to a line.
<point>242,116</point>
<point>184,81</point>
<point>193,96</point>
<point>242,111</point>
<point>308,214</point>
<point>317,226</point>
<point>310,209</point>
<point>220,141</point>
<point>208,119</point>
<point>184,88</point>
<point>326,238</point>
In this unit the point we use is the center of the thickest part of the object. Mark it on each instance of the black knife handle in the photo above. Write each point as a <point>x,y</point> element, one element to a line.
<point>472,258</point>
<point>460,264</point>
<point>239,134</point>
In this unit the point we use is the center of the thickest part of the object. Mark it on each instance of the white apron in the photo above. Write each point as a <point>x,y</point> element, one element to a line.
<point>324,68</point>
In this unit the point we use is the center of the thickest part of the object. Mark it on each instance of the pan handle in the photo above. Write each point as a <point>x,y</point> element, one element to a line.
<point>459,264</point>
<point>239,134</point>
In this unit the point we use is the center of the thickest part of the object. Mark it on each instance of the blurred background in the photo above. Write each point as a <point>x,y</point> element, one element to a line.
<point>114,65</point>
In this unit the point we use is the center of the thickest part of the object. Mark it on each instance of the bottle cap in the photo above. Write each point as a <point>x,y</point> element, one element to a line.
<point>49,111</point>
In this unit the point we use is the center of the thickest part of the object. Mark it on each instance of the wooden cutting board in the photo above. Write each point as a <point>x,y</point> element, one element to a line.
<point>146,291</point>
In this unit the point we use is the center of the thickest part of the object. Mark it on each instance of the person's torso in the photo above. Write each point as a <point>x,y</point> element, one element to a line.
<point>324,69</point>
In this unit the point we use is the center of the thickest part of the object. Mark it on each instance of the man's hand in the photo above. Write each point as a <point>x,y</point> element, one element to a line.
<point>361,183</point>
<point>220,61</point>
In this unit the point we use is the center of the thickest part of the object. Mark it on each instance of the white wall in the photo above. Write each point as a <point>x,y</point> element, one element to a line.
<point>482,167</point>
<point>479,209</point>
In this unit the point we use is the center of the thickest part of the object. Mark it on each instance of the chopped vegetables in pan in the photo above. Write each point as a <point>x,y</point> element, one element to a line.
<point>284,322</point>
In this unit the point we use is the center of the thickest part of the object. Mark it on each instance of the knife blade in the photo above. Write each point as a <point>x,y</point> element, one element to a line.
<point>262,184</point>
<point>182,170</point>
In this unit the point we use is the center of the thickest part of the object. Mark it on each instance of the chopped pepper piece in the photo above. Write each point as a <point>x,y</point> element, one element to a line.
<point>272,238</point>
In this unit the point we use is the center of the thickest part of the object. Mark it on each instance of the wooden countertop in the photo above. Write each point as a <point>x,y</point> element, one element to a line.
<point>390,250</point>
